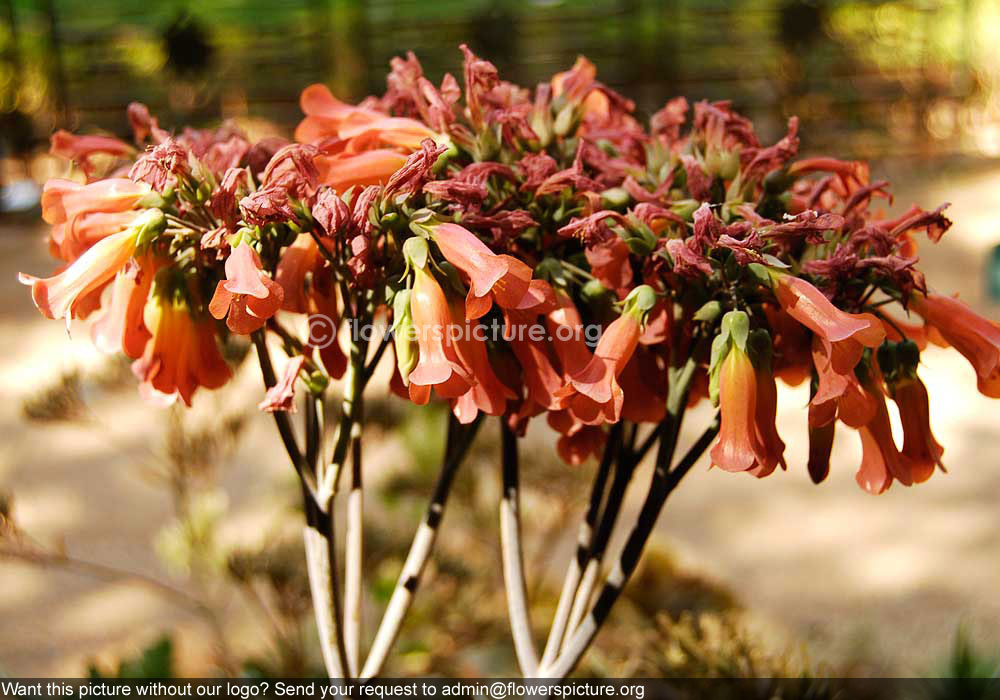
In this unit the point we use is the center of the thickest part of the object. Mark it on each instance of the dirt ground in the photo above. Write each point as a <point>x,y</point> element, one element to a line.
<point>884,581</point>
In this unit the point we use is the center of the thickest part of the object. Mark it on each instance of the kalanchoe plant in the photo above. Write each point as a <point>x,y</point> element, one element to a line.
<point>532,253</point>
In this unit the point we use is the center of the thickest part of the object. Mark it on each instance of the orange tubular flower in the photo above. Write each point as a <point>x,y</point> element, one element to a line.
<point>182,354</point>
<point>491,277</point>
<point>919,446</point>
<point>881,460</point>
<point>488,394</point>
<point>296,262</point>
<point>593,393</point>
<point>70,293</point>
<point>581,443</point>
<point>323,329</point>
<point>566,329</point>
<point>739,448</point>
<point>977,338</point>
<point>439,366</point>
<point>542,381</point>
<point>848,334</point>
<point>83,214</point>
<point>329,118</point>
<point>343,171</point>
<point>121,328</point>
<point>248,295</point>
<point>837,395</point>
<point>645,387</point>
<point>766,411</point>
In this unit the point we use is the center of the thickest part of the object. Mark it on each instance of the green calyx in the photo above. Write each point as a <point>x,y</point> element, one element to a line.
<point>150,224</point>
<point>734,332</point>
<point>404,337</point>
<point>639,302</point>
<point>416,252</point>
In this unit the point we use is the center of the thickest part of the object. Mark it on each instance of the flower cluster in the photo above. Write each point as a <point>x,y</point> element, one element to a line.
<point>712,263</point>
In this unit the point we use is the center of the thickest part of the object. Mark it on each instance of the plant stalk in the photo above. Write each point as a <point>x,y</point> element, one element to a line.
<point>512,555</point>
<point>458,443</point>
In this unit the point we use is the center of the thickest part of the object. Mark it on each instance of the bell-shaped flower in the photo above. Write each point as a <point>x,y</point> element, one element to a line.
<point>324,322</point>
<point>344,170</point>
<point>747,396</point>
<point>837,395</point>
<point>568,335</point>
<point>83,214</point>
<point>593,393</point>
<point>281,396</point>
<point>538,362</point>
<point>820,448</point>
<point>297,261</point>
<point>438,366</point>
<point>248,296</point>
<point>577,441</point>
<point>919,446</point>
<point>739,448</point>
<point>487,393</point>
<point>182,354</point>
<point>766,411</point>
<point>848,334</point>
<point>65,294</point>
<point>360,128</point>
<point>881,460</point>
<point>644,383</point>
<point>502,278</point>
<point>976,338</point>
<point>121,328</point>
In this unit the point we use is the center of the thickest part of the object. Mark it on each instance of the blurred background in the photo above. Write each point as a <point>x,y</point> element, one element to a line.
<point>135,537</point>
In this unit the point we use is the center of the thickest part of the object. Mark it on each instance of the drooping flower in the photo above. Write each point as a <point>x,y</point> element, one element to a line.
<point>919,446</point>
<point>577,442</point>
<point>297,261</point>
<point>122,327</point>
<point>63,295</point>
<point>248,296</point>
<point>739,448</point>
<point>567,333</point>
<point>182,354</point>
<point>438,366</point>
<point>593,393</point>
<point>881,460</point>
<point>324,322</point>
<point>848,334</point>
<point>281,396</point>
<point>502,278</point>
<point>487,393</point>
<point>976,338</point>
<point>644,383</point>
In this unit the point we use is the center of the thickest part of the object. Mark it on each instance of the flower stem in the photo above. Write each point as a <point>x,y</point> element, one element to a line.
<point>512,555</point>
<point>458,442</point>
<point>584,537</point>
<point>662,484</point>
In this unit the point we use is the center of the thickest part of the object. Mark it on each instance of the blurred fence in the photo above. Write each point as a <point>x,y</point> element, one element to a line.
<point>868,78</point>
